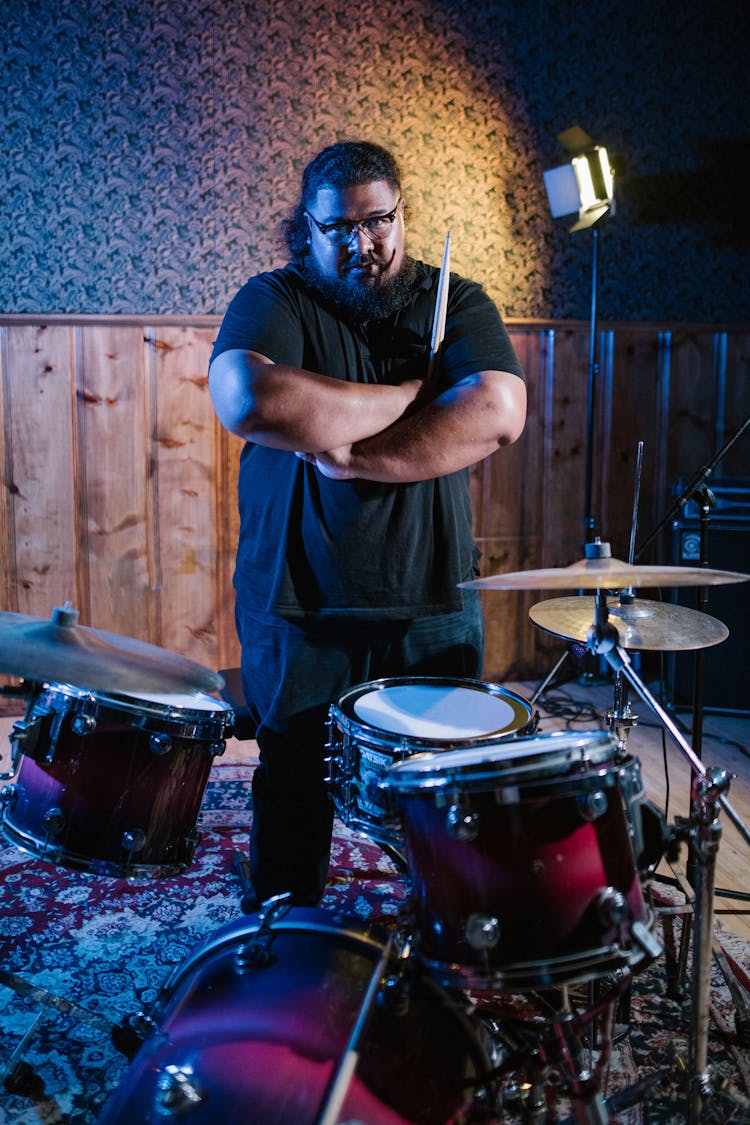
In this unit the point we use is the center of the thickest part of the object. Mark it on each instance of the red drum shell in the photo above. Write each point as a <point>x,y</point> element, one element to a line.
<point>524,841</point>
<point>261,1044</point>
<point>122,798</point>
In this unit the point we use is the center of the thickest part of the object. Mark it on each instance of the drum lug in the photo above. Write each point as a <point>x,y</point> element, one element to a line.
<point>83,724</point>
<point>612,907</point>
<point>54,821</point>
<point>462,823</point>
<point>216,749</point>
<point>132,840</point>
<point>592,805</point>
<point>8,796</point>
<point>160,744</point>
<point>482,931</point>
<point>177,1091</point>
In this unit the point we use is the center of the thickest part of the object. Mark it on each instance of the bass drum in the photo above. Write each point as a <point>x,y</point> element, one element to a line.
<point>376,724</point>
<point>253,1025</point>
<point>112,784</point>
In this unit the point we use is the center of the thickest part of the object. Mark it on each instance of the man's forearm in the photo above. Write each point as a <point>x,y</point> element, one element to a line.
<point>456,429</point>
<point>290,408</point>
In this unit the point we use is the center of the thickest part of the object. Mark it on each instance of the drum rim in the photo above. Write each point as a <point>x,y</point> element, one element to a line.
<point>74,691</point>
<point>223,939</point>
<point>349,722</point>
<point>446,768</point>
<point>572,968</point>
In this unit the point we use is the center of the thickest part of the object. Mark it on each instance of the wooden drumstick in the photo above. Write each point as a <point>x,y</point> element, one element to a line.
<point>441,305</point>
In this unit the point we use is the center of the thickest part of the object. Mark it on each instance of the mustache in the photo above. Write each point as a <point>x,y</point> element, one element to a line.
<point>368,259</point>
<point>359,260</point>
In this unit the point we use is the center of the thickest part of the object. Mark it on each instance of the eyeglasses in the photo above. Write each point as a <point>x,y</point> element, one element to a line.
<point>376,228</point>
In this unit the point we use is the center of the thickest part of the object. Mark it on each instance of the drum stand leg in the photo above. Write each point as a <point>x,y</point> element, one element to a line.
<point>544,1056</point>
<point>621,718</point>
<point>709,790</point>
<point>16,1075</point>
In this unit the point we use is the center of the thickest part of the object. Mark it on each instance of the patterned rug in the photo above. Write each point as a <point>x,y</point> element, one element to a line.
<point>98,950</point>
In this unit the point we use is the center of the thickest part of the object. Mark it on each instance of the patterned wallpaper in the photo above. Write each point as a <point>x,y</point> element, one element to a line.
<point>150,147</point>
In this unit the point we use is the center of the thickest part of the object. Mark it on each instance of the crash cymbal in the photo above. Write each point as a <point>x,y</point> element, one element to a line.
<point>605,574</point>
<point>57,650</point>
<point>643,625</point>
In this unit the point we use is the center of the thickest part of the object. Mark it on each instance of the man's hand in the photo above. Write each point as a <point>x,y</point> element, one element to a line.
<point>334,463</point>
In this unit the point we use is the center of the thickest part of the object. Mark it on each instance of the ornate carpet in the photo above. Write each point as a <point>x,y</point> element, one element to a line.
<point>101,949</point>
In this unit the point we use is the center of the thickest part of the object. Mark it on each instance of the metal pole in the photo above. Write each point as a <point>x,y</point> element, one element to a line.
<point>589,524</point>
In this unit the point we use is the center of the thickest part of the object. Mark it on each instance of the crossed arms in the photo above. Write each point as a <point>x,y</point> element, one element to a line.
<point>373,431</point>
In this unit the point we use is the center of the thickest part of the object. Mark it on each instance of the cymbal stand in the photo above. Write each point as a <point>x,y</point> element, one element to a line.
<point>621,718</point>
<point>537,1059</point>
<point>709,790</point>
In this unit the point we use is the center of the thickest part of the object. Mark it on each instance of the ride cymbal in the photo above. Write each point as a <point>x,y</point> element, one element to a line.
<point>642,625</point>
<point>605,574</point>
<point>56,650</point>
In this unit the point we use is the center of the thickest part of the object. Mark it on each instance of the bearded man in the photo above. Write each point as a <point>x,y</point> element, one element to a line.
<point>355,514</point>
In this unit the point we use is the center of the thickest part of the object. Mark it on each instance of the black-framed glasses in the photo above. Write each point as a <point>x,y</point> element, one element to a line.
<point>376,228</point>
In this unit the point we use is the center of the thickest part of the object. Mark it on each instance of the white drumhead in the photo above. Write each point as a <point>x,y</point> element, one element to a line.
<point>182,701</point>
<point>437,711</point>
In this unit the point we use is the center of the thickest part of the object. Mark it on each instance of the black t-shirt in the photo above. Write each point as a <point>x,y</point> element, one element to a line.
<point>309,545</point>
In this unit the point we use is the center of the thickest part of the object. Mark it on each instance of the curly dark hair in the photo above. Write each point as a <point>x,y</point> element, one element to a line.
<point>337,166</point>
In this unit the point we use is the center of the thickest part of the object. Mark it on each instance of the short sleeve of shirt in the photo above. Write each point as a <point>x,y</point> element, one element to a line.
<point>263,317</point>
<point>475,337</point>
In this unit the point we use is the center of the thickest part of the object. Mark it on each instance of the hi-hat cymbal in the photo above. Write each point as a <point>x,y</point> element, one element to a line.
<point>605,574</point>
<point>643,625</point>
<point>56,650</point>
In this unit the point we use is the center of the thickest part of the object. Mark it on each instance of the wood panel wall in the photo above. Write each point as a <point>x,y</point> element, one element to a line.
<point>119,485</point>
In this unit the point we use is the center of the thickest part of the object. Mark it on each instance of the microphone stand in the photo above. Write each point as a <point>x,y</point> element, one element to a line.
<point>698,481</point>
<point>698,488</point>
<point>709,792</point>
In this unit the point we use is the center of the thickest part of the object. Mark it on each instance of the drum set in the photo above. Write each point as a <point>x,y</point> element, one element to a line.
<point>527,856</point>
<point>101,781</point>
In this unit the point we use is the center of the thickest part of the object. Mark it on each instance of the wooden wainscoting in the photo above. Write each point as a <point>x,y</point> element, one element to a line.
<point>120,485</point>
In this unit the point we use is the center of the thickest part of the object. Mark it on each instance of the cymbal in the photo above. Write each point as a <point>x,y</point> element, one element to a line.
<point>56,650</point>
<point>605,574</point>
<point>644,625</point>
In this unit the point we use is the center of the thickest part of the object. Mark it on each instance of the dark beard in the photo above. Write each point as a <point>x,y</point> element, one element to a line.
<point>358,301</point>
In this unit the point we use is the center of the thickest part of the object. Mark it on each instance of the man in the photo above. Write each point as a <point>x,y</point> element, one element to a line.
<point>354,485</point>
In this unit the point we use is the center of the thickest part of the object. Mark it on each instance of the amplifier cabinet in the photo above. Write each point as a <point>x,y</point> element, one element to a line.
<point>726,667</point>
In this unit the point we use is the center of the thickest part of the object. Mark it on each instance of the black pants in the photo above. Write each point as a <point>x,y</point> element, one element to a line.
<point>291,674</point>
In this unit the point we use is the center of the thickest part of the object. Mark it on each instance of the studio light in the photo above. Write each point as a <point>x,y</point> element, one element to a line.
<point>584,187</point>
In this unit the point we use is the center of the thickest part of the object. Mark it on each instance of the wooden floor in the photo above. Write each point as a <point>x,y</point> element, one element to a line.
<point>583,706</point>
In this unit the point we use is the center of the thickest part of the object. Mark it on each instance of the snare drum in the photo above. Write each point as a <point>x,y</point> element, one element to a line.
<point>521,860</point>
<point>382,722</point>
<point>112,784</point>
<point>252,1026</point>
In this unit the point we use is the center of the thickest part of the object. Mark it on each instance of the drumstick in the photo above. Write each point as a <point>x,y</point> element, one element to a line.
<point>441,305</point>
<point>344,1072</point>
